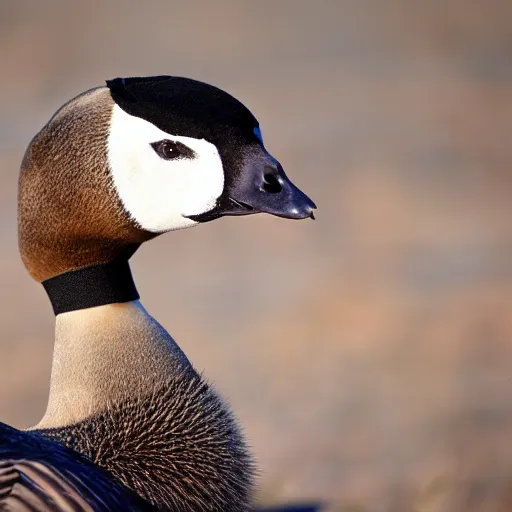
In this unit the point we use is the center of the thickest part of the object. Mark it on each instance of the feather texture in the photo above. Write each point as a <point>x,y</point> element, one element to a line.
<point>40,475</point>
<point>179,448</point>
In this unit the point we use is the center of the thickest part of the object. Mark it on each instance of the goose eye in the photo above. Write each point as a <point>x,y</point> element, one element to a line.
<point>172,150</point>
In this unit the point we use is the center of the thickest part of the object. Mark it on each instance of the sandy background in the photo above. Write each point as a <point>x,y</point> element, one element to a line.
<point>368,354</point>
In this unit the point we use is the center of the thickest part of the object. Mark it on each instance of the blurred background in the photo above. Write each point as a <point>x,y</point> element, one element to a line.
<point>368,354</point>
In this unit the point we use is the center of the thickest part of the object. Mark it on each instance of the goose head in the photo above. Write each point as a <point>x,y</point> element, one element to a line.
<point>121,164</point>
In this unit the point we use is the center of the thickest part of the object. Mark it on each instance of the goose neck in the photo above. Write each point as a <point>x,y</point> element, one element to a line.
<point>104,355</point>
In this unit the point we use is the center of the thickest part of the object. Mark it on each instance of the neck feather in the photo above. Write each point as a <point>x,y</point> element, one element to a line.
<point>105,355</point>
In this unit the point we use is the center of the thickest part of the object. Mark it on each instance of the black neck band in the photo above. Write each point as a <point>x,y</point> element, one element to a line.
<point>108,283</point>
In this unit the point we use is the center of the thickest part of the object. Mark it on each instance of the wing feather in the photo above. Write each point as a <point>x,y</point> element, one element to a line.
<point>41,475</point>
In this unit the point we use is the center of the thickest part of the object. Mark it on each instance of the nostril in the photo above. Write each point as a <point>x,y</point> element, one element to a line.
<point>271,184</point>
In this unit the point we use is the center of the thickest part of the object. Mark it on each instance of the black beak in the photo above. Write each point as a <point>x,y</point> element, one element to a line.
<point>261,186</point>
<point>267,189</point>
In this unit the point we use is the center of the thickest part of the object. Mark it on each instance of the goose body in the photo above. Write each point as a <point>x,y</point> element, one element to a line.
<point>113,168</point>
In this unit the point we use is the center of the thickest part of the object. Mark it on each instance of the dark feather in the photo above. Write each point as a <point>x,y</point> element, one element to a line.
<point>39,475</point>
<point>179,448</point>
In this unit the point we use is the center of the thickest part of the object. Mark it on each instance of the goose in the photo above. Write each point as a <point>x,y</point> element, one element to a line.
<point>130,424</point>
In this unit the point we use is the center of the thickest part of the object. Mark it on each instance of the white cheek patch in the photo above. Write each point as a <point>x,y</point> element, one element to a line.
<point>159,193</point>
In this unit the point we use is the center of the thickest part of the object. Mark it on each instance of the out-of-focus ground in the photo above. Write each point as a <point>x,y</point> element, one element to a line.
<point>368,355</point>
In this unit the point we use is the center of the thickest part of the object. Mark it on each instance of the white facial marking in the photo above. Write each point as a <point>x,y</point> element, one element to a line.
<point>159,193</point>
